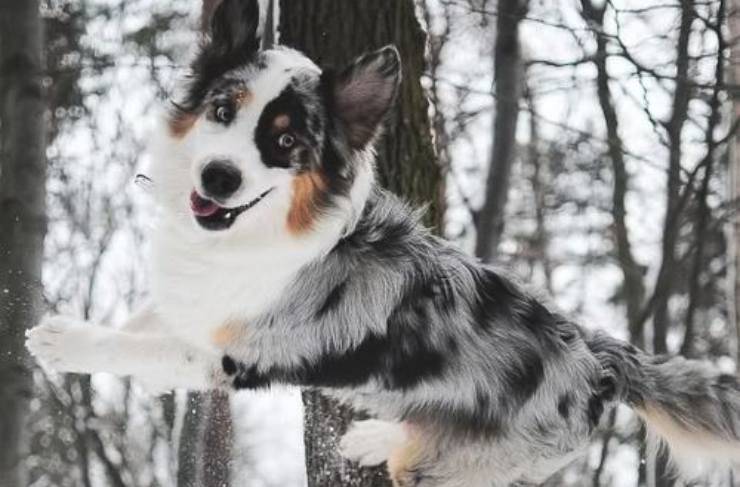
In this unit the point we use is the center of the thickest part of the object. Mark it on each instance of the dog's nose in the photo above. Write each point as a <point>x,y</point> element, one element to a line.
<point>220,179</point>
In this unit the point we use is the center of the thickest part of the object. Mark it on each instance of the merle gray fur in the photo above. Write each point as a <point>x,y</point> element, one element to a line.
<point>405,326</point>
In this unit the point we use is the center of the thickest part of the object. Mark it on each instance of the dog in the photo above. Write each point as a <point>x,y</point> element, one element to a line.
<point>277,259</point>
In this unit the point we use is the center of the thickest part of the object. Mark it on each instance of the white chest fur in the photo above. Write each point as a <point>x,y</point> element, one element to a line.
<point>200,285</point>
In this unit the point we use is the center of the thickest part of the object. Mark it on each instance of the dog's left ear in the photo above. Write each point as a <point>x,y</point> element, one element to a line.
<point>365,92</point>
<point>233,28</point>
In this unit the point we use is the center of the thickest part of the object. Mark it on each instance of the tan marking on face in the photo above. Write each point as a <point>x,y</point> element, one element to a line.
<point>280,123</point>
<point>307,190</point>
<point>181,123</point>
<point>242,97</point>
<point>227,334</point>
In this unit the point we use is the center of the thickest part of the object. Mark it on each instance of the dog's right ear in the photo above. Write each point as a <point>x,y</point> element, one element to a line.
<point>233,29</point>
<point>364,93</point>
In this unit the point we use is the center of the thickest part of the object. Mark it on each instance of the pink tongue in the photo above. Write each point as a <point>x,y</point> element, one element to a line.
<point>202,206</point>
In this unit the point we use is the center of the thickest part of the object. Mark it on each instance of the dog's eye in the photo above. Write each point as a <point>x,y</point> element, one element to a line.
<point>223,113</point>
<point>286,141</point>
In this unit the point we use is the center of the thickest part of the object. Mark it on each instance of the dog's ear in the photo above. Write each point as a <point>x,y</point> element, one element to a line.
<point>233,28</point>
<point>364,93</point>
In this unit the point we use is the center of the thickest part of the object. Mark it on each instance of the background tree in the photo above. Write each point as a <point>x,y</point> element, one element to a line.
<point>734,226</point>
<point>406,165</point>
<point>508,87</point>
<point>22,218</point>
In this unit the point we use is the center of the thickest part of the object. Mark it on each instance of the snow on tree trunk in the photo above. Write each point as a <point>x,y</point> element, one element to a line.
<point>22,218</point>
<point>333,32</point>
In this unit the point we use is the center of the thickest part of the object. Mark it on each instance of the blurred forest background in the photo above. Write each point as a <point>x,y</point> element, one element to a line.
<point>589,146</point>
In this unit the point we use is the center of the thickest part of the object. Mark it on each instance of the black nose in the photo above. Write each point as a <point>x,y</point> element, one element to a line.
<point>220,179</point>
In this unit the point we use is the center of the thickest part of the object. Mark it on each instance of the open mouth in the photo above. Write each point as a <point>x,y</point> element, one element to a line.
<point>211,216</point>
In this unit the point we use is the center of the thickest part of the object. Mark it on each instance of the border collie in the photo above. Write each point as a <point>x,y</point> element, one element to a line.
<point>277,259</point>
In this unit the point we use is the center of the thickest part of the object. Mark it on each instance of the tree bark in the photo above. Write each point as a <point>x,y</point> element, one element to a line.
<point>325,420</point>
<point>538,179</point>
<point>682,95</point>
<point>703,218</point>
<point>217,441</point>
<point>508,91</point>
<point>332,33</point>
<point>634,285</point>
<point>188,466</point>
<point>667,274</point>
<point>22,218</point>
<point>733,22</point>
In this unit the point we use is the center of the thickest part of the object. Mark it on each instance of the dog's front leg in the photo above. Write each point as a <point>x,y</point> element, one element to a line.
<point>140,349</point>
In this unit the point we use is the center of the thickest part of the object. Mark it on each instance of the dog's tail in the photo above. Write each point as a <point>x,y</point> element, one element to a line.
<point>688,405</point>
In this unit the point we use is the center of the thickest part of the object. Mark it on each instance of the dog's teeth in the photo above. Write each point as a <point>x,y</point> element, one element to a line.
<point>227,215</point>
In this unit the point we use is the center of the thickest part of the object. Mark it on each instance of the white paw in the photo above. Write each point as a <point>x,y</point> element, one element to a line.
<point>64,344</point>
<point>371,442</point>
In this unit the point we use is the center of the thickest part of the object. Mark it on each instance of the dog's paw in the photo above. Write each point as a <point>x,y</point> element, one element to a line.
<point>64,344</point>
<point>371,442</point>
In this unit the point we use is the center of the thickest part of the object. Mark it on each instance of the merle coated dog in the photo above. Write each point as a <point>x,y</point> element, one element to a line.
<point>276,259</point>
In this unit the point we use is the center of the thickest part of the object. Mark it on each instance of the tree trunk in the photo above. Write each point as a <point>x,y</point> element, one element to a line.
<point>538,180</point>
<point>733,22</point>
<point>406,165</point>
<point>508,90</point>
<point>634,285</point>
<point>681,97</point>
<point>324,422</point>
<point>703,217</point>
<point>217,441</point>
<point>332,33</point>
<point>188,466</point>
<point>22,218</point>
<point>665,282</point>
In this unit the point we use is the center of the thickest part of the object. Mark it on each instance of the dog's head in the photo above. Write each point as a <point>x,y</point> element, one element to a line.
<point>260,140</point>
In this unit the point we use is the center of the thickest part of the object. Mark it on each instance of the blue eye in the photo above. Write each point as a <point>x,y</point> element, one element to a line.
<point>223,114</point>
<point>286,141</point>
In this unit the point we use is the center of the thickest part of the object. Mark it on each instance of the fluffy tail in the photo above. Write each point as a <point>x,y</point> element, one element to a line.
<point>689,405</point>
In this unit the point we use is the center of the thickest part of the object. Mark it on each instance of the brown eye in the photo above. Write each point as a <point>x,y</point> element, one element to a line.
<point>223,114</point>
<point>286,141</point>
